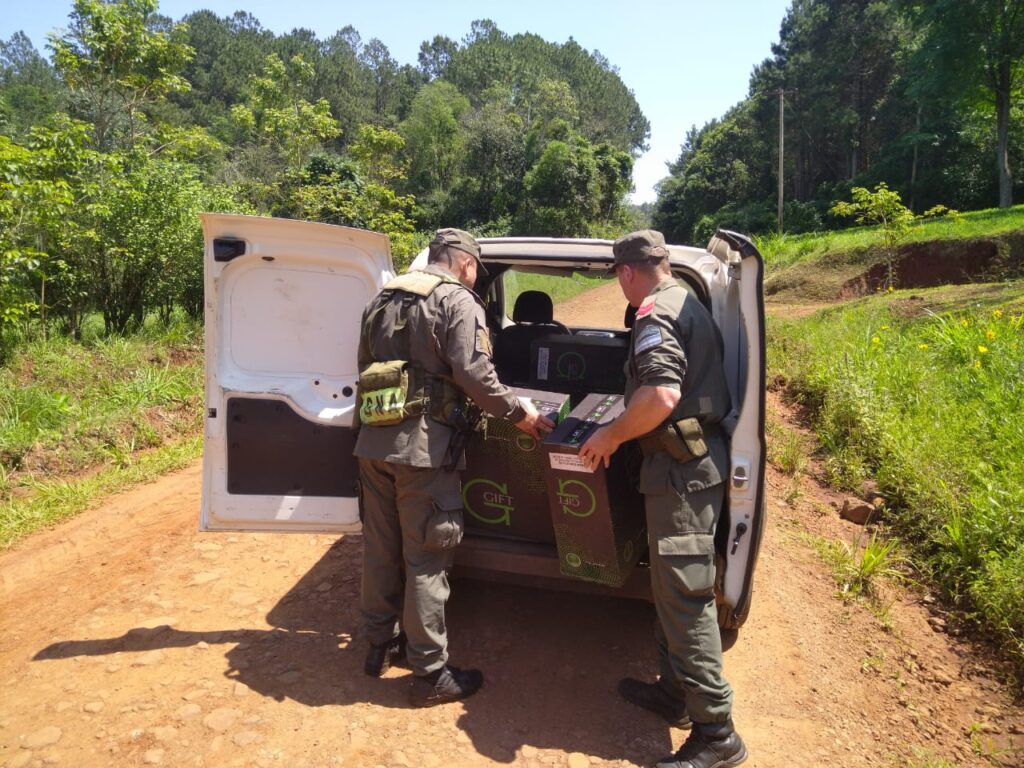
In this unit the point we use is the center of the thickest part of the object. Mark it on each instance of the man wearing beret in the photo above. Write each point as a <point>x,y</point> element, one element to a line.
<point>676,397</point>
<point>424,358</point>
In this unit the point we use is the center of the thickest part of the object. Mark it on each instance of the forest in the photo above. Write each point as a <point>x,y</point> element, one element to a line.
<point>111,146</point>
<point>925,96</point>
<point>130,123</point>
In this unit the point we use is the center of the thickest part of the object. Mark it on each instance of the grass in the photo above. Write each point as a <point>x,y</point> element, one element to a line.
<point>923,393</point>
<point>859,566</point>
<point>51,501</point>
<point>922,758</point>
<point>68,409</point>
<point>786,449</point>
<point>558,287</point>
<point>780,251</point>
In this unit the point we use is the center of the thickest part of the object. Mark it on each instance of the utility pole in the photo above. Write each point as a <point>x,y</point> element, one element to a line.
<point>781,93</point>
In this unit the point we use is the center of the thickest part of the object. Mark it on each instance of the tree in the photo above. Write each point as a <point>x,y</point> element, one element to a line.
<point>377,152</point>
<point>434,136</point>
<point>30,205</point>
<point>434,56</point>
<point>382,72</point>
<point>118,65</point>
<point>971,47</point>
<point>28,83</point>
<point>354,193</point>
<point>277,128</point>
<point>228,52</point>
<point>561,191</point>
<point>884,208</point>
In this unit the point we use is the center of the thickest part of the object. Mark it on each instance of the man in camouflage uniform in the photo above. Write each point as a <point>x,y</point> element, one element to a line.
<point>424,349</point>
<point>676,396</point>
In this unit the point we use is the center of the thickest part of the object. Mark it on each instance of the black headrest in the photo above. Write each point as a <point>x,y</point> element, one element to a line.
<point>533,307</point>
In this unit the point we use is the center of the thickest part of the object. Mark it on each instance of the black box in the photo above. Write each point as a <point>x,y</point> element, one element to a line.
<point>597,516</point>
<point>504,485</point>
<point>579,364</point>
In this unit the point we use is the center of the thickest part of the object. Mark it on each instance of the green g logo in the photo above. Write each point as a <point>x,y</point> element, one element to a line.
<point>571,366</point>
<point>525,443</point>
<point>491,495</point>
<point>576,498</point>
<point>573,560</point>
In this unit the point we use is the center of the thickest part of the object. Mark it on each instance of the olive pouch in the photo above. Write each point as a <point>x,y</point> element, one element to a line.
<point>692,436</point>
<point>383,393</point>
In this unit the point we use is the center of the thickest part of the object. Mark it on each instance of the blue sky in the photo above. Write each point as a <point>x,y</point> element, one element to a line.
<point>687,61</point>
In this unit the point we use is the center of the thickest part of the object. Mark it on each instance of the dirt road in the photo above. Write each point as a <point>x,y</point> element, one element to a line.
<point>128,638</point>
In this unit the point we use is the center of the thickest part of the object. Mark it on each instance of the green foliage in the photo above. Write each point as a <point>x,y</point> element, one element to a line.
<point>786,449</point>
<point>859,566</point>
<point>885,209</point>
<point>117,64</point>
<point>47,502</point>
<point>277,116</point>
<point>921,406</point>
<point>781,251</point>
<point>29,88</point>
<point>65,406</point>
<point>917,95</point>
<point>434,136</point>
<point>971,52</point>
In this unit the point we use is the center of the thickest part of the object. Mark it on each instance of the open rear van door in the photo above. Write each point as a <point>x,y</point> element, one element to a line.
<point>743,332</point>
<point>283,303</point>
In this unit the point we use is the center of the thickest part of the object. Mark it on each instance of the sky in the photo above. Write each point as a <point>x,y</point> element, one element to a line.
<point>686,61</point>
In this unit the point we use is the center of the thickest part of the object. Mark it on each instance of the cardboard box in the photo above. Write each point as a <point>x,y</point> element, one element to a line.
<point>579,364</point>
<point>597,516</point>
<point>504,486</point>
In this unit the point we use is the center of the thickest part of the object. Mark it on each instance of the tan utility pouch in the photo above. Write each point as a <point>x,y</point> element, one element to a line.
<point>383,393</point>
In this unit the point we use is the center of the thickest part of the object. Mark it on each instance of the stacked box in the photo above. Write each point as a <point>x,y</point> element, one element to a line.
<point>597,515</point>
<point>579,364</point>
<point>504,489</point>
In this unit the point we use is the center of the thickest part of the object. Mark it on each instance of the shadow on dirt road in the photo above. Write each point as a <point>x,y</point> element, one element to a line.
<point>551,661</point>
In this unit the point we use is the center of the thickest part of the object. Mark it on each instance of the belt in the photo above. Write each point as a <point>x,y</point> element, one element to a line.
<point>654,441</point>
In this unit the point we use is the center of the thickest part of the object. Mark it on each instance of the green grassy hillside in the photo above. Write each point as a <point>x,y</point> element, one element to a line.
<point>921,391</point>
<point>984,245</point>
<point>79,419</point>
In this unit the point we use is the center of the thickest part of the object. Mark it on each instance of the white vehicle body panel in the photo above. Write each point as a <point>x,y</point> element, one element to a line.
<point>282,327</point>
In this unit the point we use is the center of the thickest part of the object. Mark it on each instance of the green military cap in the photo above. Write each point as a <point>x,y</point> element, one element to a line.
<point>645,245</point>
<point>462,240</point>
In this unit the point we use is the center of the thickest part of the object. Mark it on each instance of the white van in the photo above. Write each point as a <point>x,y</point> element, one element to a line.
<point>284,300</point>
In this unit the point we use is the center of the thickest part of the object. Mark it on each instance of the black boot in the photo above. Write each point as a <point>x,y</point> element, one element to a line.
<point>380,657</point>
<point>655,698</point>
<point>446,684</point>
<point>710,745</point>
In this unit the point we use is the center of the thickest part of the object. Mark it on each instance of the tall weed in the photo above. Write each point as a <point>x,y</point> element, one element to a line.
<point>67,406</point>
<point>929,407</point>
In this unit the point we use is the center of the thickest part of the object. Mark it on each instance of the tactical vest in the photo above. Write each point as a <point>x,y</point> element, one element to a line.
<point>391,391</point>
<point>704,403</point>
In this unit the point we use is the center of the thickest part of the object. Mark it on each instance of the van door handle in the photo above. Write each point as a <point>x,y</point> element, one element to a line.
<point>740,476</point>
<point>741,528</point>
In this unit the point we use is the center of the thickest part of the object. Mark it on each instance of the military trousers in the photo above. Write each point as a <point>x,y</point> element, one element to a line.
<point>681,525</point>
<point>412,522</point>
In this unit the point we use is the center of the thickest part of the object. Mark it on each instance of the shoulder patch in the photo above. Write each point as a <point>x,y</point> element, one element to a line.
<point>647,307</point>
<point>483,342</point>
<point>649,337</point>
